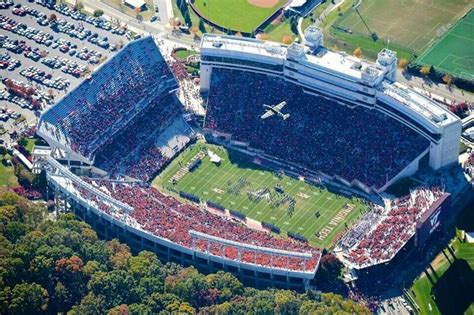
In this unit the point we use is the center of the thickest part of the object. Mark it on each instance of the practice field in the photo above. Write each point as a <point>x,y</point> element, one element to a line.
<point>454,52</point>
<point>238,15</point>
<point>412,24</point>
<point>240,185</point>
<point>447,287</point>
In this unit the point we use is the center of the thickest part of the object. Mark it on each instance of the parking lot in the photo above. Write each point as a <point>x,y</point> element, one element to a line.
<point>44,53</point>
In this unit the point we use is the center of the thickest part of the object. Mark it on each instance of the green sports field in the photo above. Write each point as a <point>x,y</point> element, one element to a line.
<point>454,52</point>
<point>236,15</point>
<point>236,179</point>
<point>412,24</point>
<point>447,286</point>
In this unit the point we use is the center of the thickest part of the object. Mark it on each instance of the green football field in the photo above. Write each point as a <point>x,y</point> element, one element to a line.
<point>233,183</point>
<point>454,52</point>
<point>412,24</point>
<point>236,15</point>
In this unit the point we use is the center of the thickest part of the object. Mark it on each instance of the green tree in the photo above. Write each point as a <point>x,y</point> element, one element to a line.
<point>28,298</point>
<point>117,286</point>
<point>91,304</point>
<point>98,13</point>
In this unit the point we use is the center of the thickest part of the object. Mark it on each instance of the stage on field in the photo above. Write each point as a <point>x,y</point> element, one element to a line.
<point>237,184</point>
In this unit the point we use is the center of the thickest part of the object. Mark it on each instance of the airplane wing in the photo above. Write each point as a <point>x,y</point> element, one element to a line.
<point>279,106</point>
<point>267,114</point>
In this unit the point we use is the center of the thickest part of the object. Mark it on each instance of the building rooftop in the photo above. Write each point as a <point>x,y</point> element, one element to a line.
<point>242,44</point>
<point>349,66</point>
<point>418,103</point>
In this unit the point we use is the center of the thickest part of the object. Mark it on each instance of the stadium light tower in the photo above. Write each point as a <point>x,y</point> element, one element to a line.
<point>356,6</point>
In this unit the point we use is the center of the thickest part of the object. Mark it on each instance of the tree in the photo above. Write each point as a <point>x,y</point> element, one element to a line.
<point>79,6</point>
<point>262,36</point>
<point>448,79</point>
<point>358,52</point>
<point>403,63</point>
<point>425,70</point>
<point>52,18</point>
<point>195,30</point>
<point>287,39</point>
<point>202,26</point>
<point>28,298</point>
<point>98,13</point>
<point>90,304</point>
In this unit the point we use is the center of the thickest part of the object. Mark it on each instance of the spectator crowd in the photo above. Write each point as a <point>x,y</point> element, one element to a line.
<point>320,134</point>
<point>110,98</point>
<point>168,218</point>
<point>382,232</point>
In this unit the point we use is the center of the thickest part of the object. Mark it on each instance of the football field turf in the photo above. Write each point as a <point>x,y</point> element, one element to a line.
<point>454,52</point>
<point>412,24</point>
<point>236,180</point>
<point>237,15</point>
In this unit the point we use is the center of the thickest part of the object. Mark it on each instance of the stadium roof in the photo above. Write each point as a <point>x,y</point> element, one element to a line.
<point>345,65</point>
<point>212,42</point>
<point>419,103</point>
<point>138,65</point>
<point>298,3</point>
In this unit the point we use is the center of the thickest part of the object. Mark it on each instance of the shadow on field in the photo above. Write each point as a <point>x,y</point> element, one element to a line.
<point>454,291</point>
<point>243,161</point>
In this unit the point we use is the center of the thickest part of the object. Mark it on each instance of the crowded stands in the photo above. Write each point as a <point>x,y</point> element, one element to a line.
<point>353,143</point>
<point>133,150</point>
<point>382,232</point>
<point>110,98</point>
<point>168,218</point>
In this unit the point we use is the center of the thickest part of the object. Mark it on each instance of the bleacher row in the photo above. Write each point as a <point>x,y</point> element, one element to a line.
<point>171,219</point>
<point>382,232</point>
<point>112,96</point>
<point>133,150</point>
<point>320,134</point>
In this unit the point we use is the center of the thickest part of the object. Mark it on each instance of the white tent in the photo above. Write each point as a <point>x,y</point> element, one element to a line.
<point>134,3</point>
<point>213,157</point>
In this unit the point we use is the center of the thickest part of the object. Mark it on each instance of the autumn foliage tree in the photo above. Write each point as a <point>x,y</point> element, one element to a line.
<point>262,36</point>
<point>287,39</point>
<point>403,63</point>
<point>425,70</point>
<point>358,52</point>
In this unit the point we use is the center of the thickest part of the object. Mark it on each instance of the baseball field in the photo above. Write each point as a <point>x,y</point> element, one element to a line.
<point>238,15</point>
<point>263,195</point>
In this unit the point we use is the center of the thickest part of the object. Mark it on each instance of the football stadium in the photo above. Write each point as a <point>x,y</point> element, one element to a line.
<point>297,149</point>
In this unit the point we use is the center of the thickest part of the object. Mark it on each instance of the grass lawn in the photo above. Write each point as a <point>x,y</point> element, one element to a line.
<point>236,15</point>
<point>183,54</point>
<point>307,21</point>
<point>193,17</point>
<point>277,32</point>
<point>454,52</point>
<point>7,176</point>
<point>146,13</point>
<point>217,183</point>
<point>446,290</point>
<point>370,49</point>
<point>411,24</point>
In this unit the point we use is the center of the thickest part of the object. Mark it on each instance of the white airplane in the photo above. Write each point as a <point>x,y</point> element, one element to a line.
<point>275,109</point>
